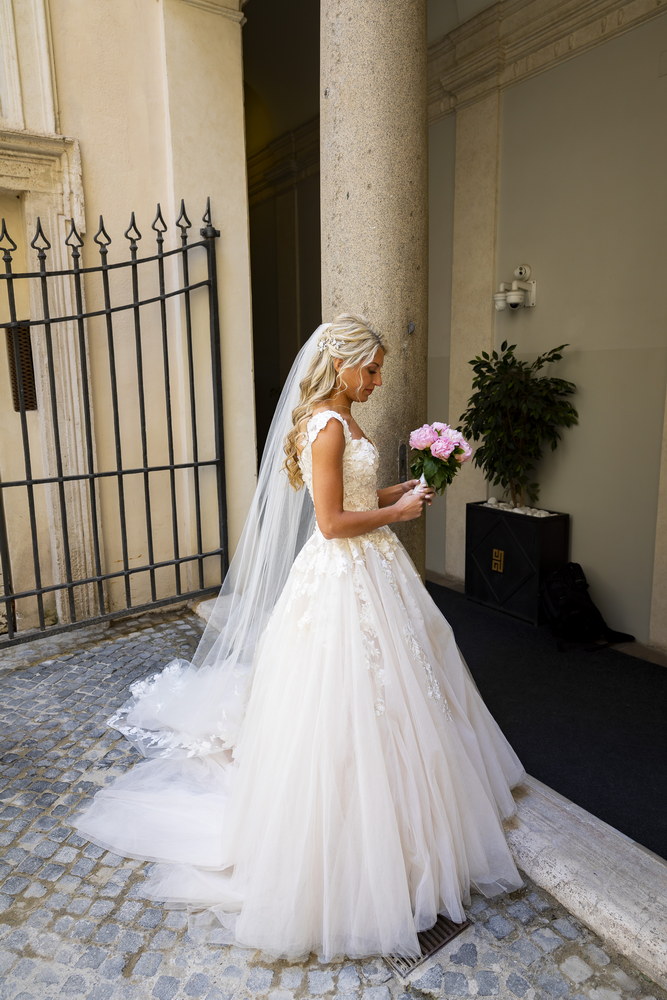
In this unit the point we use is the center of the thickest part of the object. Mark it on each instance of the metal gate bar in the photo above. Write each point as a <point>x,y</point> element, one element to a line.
<point>41,256</point>
<point>74,242</point>
<point>13,327</point>
<point>159,227</point>
<point>184,224</point>
<point>92,476</point>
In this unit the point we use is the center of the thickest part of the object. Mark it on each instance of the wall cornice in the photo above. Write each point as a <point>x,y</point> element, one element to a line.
<point>230,9</point>
<point>44,164</point>
<point>516,39</point>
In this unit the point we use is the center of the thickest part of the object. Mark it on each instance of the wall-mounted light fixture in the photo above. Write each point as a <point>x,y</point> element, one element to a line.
<point>517,294</point>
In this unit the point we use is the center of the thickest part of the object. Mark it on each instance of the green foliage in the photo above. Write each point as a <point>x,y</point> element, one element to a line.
<point>438,473</point>
<point>516,413</point>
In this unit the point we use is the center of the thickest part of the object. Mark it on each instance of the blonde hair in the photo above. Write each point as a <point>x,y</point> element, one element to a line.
<point>350,338</point>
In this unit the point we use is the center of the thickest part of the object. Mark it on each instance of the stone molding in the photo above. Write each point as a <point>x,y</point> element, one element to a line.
<point>46,171</point>
<point>25,40</point>
<point>516,39</point>
<point>33,163</point>
<point>44,112</point>
<point>230,9</point>
<point>11,101</point>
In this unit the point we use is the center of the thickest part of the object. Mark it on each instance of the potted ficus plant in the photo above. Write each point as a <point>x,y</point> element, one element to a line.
<point>516,411</point>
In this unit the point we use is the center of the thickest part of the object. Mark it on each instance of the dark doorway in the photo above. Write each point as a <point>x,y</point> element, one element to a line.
<point>281,68</point>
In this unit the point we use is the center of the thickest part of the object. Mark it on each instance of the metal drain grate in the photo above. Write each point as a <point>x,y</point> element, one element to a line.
<point>430,941</point>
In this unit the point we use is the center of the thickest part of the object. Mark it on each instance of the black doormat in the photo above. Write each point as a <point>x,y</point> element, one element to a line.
<point>430,941</point>
<point>590,724</point>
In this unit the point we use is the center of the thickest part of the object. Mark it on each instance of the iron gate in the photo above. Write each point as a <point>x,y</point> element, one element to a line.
<point>112,482</point>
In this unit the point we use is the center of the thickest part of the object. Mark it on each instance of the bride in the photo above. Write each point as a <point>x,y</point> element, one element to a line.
<point>324,776</point>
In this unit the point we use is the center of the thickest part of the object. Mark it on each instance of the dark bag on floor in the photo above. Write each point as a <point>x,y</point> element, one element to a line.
<point>571,612</point>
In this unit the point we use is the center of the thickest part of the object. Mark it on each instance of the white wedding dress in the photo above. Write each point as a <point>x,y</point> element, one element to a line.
<point>367,786</point>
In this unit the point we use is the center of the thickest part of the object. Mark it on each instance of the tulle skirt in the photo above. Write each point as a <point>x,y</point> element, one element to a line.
<point>366,790</point>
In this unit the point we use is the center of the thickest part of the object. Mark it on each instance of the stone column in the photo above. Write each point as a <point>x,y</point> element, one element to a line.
<point>473,274</point>
<point>374,203</point>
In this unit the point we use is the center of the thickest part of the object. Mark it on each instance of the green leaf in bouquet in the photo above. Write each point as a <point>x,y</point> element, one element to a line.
<point>441,480</point>
<point>417,465</point>
<point>431,466</point>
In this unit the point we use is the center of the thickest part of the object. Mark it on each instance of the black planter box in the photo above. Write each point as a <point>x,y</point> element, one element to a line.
<point>508,555</point>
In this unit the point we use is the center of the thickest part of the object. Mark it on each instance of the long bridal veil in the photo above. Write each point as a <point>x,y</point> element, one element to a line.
<point>176,713</point>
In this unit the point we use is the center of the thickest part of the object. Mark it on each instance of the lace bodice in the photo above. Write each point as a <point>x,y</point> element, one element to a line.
<point>360,464</point>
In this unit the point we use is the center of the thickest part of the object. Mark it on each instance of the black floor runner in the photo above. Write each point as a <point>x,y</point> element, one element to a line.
<point>592,725</point>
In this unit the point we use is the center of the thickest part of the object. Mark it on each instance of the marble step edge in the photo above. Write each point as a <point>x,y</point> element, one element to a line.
<point>608,881</point>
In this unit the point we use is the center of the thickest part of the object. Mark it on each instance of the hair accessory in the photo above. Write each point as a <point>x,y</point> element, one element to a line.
<point>328,341</point>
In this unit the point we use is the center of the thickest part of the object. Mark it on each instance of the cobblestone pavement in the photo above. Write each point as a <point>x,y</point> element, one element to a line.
<point>73,922</point>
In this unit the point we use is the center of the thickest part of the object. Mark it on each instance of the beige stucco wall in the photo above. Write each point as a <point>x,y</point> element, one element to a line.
<point>582,199</point>
<point>157,108</point>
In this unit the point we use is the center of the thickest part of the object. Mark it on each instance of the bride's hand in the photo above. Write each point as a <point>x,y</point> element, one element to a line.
<point>394,493</point>
<point>409,506</point>
<point>426,491</point>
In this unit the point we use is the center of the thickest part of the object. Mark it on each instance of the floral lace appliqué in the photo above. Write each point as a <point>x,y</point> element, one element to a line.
<point>419,656</point>
<point>319,420</point>
<point>360,463</point>
<point>371,645</point>
<point>167,742</point>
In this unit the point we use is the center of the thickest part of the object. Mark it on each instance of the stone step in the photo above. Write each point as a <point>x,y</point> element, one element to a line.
<point>608,881</point>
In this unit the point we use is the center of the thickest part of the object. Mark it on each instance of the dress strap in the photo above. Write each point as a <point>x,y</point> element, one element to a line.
<point>320,420</point>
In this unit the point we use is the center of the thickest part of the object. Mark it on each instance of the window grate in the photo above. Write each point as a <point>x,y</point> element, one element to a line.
<point>430,941</point>
<point>21,337</point>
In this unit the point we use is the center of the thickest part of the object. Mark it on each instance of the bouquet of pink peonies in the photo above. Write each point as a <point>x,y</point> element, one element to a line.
<point>440,452</point>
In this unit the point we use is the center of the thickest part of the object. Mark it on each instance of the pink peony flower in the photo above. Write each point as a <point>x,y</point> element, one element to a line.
<point>440,427</point>
<point>443,447</point>
<point>467,452</point>
<point>423,437</point>
<point>460,442</point>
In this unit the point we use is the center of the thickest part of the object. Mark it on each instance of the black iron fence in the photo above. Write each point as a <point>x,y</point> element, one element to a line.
<point>112,482</point>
